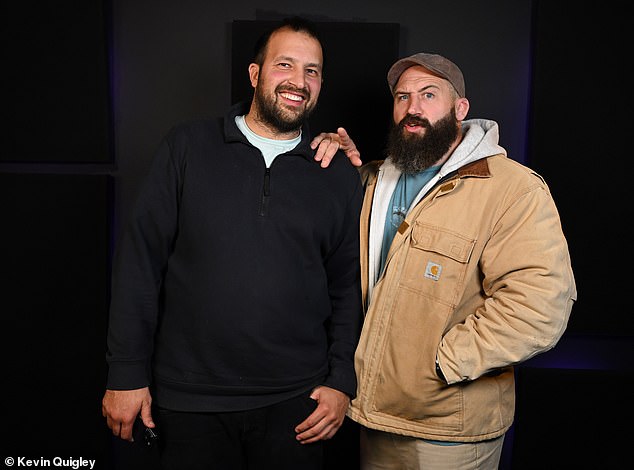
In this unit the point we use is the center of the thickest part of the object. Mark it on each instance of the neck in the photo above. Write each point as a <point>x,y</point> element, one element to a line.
<point>265,129</point>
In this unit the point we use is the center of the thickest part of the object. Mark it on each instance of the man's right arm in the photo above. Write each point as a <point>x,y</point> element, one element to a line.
<point>138,267</point>
<point>137,274</point>
<point>327,143</point>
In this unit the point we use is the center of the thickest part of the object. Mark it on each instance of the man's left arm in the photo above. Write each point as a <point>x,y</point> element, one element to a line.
<point>530,289</point>
<point>344,288</point>
<point>344,326</point>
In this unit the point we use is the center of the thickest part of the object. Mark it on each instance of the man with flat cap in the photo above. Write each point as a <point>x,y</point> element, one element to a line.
<point>465,273</point>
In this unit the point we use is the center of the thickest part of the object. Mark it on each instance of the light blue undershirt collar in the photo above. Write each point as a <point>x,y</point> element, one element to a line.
<point>270,148</point>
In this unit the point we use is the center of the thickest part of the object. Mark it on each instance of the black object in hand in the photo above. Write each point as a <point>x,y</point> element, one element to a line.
<point>142,433</point>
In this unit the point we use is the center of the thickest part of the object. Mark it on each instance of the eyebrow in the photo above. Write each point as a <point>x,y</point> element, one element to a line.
<point>397,92</point>
<point>293,60</point>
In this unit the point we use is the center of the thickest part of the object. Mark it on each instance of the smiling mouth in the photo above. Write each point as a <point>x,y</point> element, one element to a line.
<point>292,97</point>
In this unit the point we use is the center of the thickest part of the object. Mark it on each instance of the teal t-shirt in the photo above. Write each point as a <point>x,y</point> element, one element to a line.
<point>406,190</point>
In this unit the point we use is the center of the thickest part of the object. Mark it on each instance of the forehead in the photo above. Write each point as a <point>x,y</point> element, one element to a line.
<point>294,44</point>
<point>416,77</point>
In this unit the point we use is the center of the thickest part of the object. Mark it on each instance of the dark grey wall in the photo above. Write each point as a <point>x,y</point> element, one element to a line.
<point>536,67</point>
<point>172,62</point>
<point>551,77</point>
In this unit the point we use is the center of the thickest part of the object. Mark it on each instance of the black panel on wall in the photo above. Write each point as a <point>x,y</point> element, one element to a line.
<point>55,82</point>
<point>54,246</point>
<point>580,145</point>
<point>357,57</point>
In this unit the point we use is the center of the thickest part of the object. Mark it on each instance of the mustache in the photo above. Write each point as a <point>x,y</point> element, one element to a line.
<point>410,119</point>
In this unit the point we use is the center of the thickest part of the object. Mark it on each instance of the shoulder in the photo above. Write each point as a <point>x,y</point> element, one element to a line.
<point>195,128</point>
<point>341,177</point>
<point>194,135</point>
<point>514,184</point>
<point>340,164</point>
<point>369,170</point>
<point>515,173</point>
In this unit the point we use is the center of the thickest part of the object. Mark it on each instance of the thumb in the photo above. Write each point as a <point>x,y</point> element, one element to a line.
<point>146,415</point>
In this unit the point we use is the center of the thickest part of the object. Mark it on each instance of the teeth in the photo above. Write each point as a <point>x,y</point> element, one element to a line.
<point>292,97</point>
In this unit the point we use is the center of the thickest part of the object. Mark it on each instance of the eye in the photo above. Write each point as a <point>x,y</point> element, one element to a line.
<point>428,95</point>
<point>312,72</point>
<point>402,97</point>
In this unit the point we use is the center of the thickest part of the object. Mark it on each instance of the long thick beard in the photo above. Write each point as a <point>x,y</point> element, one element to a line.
<point>412,153</point>
<point>275,116</point>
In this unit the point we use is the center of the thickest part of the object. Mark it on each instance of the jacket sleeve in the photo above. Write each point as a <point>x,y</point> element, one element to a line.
<point>529,290</point>
<point>140,259</point>
<point>344,288</point>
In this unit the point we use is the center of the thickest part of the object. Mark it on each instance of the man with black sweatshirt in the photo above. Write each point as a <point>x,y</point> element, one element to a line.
<point>235,307</point>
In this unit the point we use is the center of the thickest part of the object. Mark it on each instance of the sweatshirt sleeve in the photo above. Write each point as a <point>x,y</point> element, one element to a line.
<point>139,263</point>
<point>343,271</point>
<point>530,289</point>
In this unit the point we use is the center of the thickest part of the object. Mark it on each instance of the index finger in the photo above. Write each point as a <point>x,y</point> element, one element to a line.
<point>317,140</point>
<point>312,420</point>
<point>343,135</point>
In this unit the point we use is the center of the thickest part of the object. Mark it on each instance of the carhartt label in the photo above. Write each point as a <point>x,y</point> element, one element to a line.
<point>433,270</point>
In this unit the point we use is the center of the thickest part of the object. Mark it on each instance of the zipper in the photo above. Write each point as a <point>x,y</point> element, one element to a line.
<point>266,193</point>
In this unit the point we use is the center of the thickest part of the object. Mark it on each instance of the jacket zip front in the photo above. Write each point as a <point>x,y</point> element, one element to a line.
<point>266,193</point>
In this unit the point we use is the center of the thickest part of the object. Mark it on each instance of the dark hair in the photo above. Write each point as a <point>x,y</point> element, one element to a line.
<point>295,23</point>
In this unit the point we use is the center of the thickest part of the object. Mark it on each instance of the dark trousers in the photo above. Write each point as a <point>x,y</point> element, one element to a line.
<point>260,439</point>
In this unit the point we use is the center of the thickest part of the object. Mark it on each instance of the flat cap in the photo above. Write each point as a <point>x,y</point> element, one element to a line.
<point>435,63</point>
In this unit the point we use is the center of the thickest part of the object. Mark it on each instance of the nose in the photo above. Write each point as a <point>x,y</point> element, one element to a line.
<point>414,107</point>
<point>297,78</point>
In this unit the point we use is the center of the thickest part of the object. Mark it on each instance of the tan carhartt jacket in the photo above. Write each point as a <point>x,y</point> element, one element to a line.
<point>478,276</point>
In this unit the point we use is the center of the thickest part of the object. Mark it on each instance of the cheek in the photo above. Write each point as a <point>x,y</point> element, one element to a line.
<point>315,88</point>
<point>399,113</point>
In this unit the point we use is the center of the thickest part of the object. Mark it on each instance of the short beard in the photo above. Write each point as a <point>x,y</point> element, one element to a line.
<point>275,116</point>
<point>412,153</point>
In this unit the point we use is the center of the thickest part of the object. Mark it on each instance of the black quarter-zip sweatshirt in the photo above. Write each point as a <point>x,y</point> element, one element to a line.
<point>235,286</point>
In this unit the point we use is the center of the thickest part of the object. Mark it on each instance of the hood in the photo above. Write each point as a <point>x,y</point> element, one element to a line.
<point>480,140</point>
<point>481,137</point>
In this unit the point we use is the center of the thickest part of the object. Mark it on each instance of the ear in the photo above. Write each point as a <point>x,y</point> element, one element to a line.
<point>254,74</point>
<point>462,108</point>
